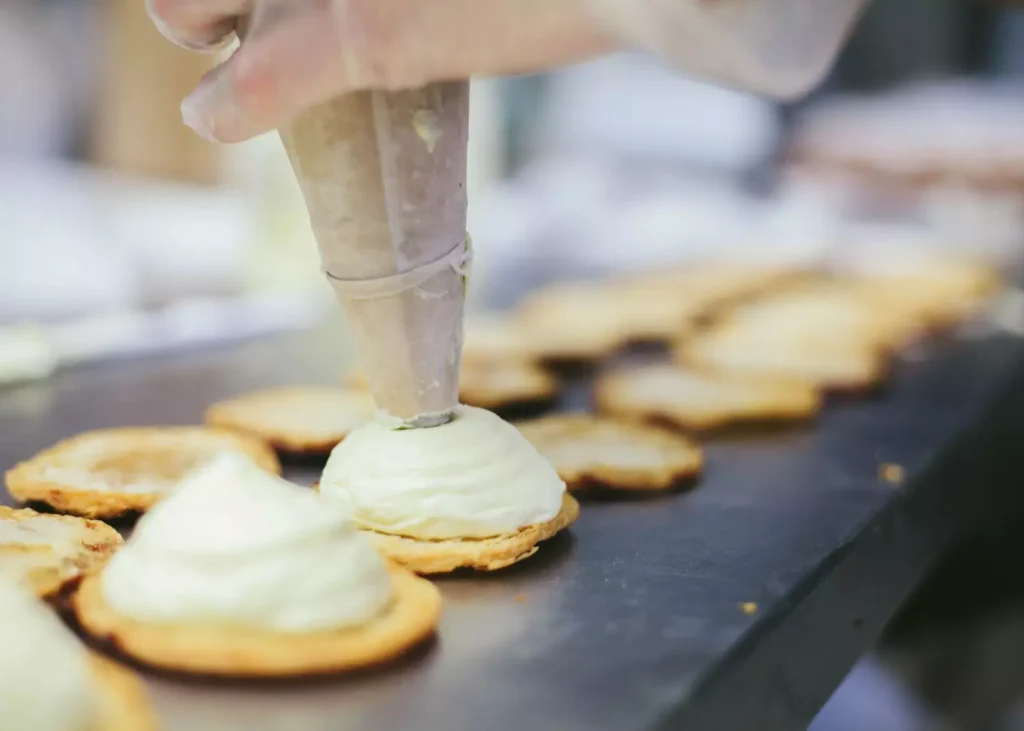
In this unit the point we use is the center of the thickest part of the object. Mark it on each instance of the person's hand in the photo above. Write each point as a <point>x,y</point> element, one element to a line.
<point>297,53</point>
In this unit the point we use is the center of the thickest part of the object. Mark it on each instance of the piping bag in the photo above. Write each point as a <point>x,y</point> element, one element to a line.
<point>384,178</point>
<point>383,175</point>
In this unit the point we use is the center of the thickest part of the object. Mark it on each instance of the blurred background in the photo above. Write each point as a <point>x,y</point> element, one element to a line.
<point>117,222</point>
<point>122,233</point>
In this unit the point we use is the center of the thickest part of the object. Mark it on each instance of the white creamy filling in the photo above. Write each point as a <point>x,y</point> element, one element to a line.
<point>473,477</point>
<point>45,681</point>
<point>238,545</point>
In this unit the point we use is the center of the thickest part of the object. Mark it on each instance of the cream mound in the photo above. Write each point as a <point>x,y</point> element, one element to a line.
<point>474,477</point>
<point>238,545</point>
<point>45,682</point>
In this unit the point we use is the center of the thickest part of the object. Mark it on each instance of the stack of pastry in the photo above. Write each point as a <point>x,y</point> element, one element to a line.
<point>234,571</point>
<point>746,343</point>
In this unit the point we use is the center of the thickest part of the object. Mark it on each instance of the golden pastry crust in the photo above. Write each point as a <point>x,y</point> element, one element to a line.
<point>595,452</point>
<point>572,322</point>
<point>498,385</point>
<point>49,552</point>
<point>110,472</point>
<point>940,294</point>
<point>299,419</point>
<point>482,554</point>
<point>698,401</point>
<point>123,704</point>
<point>666,303</point>
<point>238,652</point>
<point>588,321</point>
<point>495,336</point>
<point>826,332</point>
<point>733,357</point>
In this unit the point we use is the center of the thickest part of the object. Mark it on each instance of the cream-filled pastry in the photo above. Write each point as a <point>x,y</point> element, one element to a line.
<point>50,682</point>
<point>460,489</point>
<point>241,573</point>
<point>474,477</point>
<point>237,543</point>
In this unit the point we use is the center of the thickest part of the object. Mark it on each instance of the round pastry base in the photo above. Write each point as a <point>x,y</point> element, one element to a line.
<point>482,554</point>
<point>74,547</point>
<point>696,400</point>
<point>226,650</point>
<point>594,453</point>
<point>296,420</point>
<point>112,456</point>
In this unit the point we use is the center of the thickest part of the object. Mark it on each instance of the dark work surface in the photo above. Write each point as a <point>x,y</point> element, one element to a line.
<point>634,621</point>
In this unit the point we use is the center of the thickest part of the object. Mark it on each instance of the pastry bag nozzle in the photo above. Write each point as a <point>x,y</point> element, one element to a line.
<point>384,178</point>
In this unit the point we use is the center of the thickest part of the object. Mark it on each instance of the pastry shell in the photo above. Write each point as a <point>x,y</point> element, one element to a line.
<point>218,649</point>
<point>81,475</point>
<point>73,547</point>
<point>298,419</point>
<point>599,452</point>
<point>483,554</point>
<point>700,402</point>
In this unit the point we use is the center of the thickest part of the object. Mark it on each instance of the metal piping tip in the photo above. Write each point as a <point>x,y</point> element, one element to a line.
<point>425,421</point>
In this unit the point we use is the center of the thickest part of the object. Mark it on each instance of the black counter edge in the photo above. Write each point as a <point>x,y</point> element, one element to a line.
<point>839,611</point>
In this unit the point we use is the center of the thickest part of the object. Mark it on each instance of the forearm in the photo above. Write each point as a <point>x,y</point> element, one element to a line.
<point>411,43</point>
<point>299,53</point>
<point>776,47</point>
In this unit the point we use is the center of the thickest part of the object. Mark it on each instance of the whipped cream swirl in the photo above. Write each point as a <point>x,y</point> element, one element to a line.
<point>235,544</point>
<point>473,477</point>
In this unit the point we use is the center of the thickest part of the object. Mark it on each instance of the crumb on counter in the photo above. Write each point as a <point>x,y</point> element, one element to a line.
<point>749,608</point>
<point>891,473</point>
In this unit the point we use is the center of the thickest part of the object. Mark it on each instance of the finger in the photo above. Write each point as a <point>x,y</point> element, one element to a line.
<point>270,79</point>
<point>198,25</point>
<point>311,57</point>
<point>455,39</point>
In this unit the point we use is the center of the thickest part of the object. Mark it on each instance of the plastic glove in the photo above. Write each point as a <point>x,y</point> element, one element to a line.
<point>301,52</point>
<point>298,53</point>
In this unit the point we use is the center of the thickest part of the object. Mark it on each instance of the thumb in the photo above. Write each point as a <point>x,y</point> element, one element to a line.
<point>274,75</point>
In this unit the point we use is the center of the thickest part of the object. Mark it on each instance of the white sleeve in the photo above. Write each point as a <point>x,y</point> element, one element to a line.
<point>777,47</point>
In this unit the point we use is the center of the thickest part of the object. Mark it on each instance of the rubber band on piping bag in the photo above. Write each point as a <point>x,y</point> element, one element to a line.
<point>459,259</point>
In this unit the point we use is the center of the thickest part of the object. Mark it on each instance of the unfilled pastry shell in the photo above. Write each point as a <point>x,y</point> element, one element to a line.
<point>54,565</point>
<point>695,401</point>
<point>218,649</point>
<point>50,476</point>
<point>296,419</point>
<point>482,554</point>
<point>502,385</point>
<point>598,452</point>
